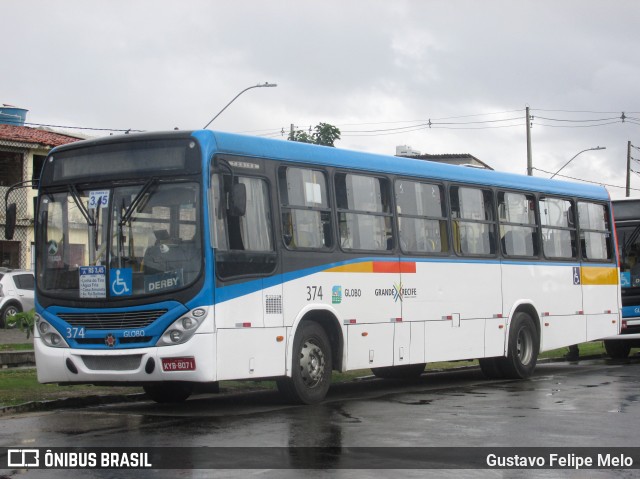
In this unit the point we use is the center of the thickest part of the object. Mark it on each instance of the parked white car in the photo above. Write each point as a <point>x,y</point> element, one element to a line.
<point>16,293</point>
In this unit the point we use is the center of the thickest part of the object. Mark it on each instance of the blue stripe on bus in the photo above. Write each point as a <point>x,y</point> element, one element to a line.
<point>227,293</point>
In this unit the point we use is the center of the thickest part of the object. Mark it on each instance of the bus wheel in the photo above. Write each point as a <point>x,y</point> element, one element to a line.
<point>169,392</point>
<point>524,344</point>
<point>407,371</point>
<point>490,368</point>
<point>617,349</point>
<point>311,367</point>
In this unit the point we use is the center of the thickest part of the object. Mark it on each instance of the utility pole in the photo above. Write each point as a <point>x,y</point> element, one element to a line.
<point>529,157</point>
<point>628,169</point>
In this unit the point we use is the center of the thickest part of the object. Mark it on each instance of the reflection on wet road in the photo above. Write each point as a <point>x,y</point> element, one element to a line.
<point>591,403</point>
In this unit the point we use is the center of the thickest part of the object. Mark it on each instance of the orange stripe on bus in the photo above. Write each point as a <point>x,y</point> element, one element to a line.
<point>591,276</point>
<point>395,267</point>
<point>364,267</point>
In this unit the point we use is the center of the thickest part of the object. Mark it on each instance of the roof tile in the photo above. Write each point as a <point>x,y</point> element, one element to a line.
<point>26,134</point>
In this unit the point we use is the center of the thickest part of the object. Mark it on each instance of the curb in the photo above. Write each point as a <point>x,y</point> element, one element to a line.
<point>15,359</point>
<point>72,402</point>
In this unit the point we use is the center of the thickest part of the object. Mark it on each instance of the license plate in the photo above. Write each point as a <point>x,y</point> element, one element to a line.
<point>178,364</point>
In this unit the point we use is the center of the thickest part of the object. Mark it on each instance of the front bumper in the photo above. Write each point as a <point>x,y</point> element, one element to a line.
<point>134,366</point>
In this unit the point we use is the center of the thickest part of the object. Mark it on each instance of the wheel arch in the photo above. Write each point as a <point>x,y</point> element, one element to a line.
<point>328,321</point>
<point>525,307</point>
<point>11,302</point>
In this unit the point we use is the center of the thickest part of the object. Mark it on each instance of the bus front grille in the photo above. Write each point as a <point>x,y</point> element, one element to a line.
<point>129,362</point>
<point>123,320</point>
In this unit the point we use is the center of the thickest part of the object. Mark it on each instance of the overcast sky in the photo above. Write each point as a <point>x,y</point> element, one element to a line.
<point>379,70</point>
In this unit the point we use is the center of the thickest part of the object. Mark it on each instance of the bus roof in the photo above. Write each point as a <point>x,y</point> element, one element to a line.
<point>252,146</point>
<point>626,209</point>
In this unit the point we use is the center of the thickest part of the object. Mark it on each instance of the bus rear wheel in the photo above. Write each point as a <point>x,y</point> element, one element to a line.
<point>617,349</point>
<point>169,392</point>
<point>407,371</point>
<point>491,367</point>
<point>524,345</point>
<point>311,366</point>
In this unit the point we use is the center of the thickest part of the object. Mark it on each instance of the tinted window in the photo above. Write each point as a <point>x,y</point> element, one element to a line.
<point>24,281</point>
<point>472,221</point>
<point>594,231</point>
<point>558,228</point>
<point>421,217</point>
<point>518,229</point>
<point>364,212</point>
<point>306,217</point>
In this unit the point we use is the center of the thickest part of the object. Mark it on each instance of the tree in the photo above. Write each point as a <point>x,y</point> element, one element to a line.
<point>323,134</point>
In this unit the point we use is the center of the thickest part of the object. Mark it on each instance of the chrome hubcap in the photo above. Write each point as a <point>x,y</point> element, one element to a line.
<point>312,364</point>
<point>524,346</point>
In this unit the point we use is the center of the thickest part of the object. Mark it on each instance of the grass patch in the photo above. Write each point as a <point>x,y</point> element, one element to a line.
<point>16,347</point>
<point>592,348</point>
<point>19,386</point>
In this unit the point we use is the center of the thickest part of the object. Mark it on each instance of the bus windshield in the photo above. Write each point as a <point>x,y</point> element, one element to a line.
<point>124,241</point>
<point>629,244</point>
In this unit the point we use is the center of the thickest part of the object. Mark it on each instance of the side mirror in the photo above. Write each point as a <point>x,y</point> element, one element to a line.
<point>238,200</point>
<point>10,225</point>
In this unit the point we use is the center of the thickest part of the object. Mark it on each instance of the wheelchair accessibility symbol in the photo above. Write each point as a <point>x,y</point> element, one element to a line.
<point>121,281</point>
<point>576,275</point>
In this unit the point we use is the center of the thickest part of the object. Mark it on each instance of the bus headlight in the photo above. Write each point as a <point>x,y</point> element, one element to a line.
<point>49,335</point>
<point>183,328</point>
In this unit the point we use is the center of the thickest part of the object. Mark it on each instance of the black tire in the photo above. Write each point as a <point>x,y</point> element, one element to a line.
<point>169,392</point>
<point>311,366</point>
<point>407,371</point>
<point>491,368</point>
<point>9,310</point>
<point>618,349</point>
<point>524,345</point>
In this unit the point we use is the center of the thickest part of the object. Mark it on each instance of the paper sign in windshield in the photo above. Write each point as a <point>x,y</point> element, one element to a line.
<point>93,281</point>
<point>98,199</point>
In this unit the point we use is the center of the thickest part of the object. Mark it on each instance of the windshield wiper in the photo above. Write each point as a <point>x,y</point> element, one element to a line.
<point>137,201</point>
<point>80,205</point>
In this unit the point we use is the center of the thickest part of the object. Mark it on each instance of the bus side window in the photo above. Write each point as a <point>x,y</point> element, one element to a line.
<point>251,231</point>
<point>518,227</point>
<point>558,228</point>
<point>306,216</point>
<point>247,248</point>
<point>594,231</point>
<point>473,221</point>
<point>421,217</point>
<point>364,212</point>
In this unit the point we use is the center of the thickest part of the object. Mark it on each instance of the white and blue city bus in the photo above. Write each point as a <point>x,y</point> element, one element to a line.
<point>172,260</point>
<point>627,224</point>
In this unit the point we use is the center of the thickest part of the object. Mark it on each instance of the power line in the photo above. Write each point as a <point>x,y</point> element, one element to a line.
<point>581,111</point>
<point>586,181</point>
<point>577,121</point>
<point>577,126</point>
<point>84,127</point>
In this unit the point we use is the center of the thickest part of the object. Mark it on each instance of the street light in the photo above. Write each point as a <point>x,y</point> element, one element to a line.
<point>259,85</point>
<point>588,149</point>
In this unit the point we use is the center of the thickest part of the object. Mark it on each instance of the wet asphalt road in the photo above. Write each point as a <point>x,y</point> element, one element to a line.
<point>593,403</point>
